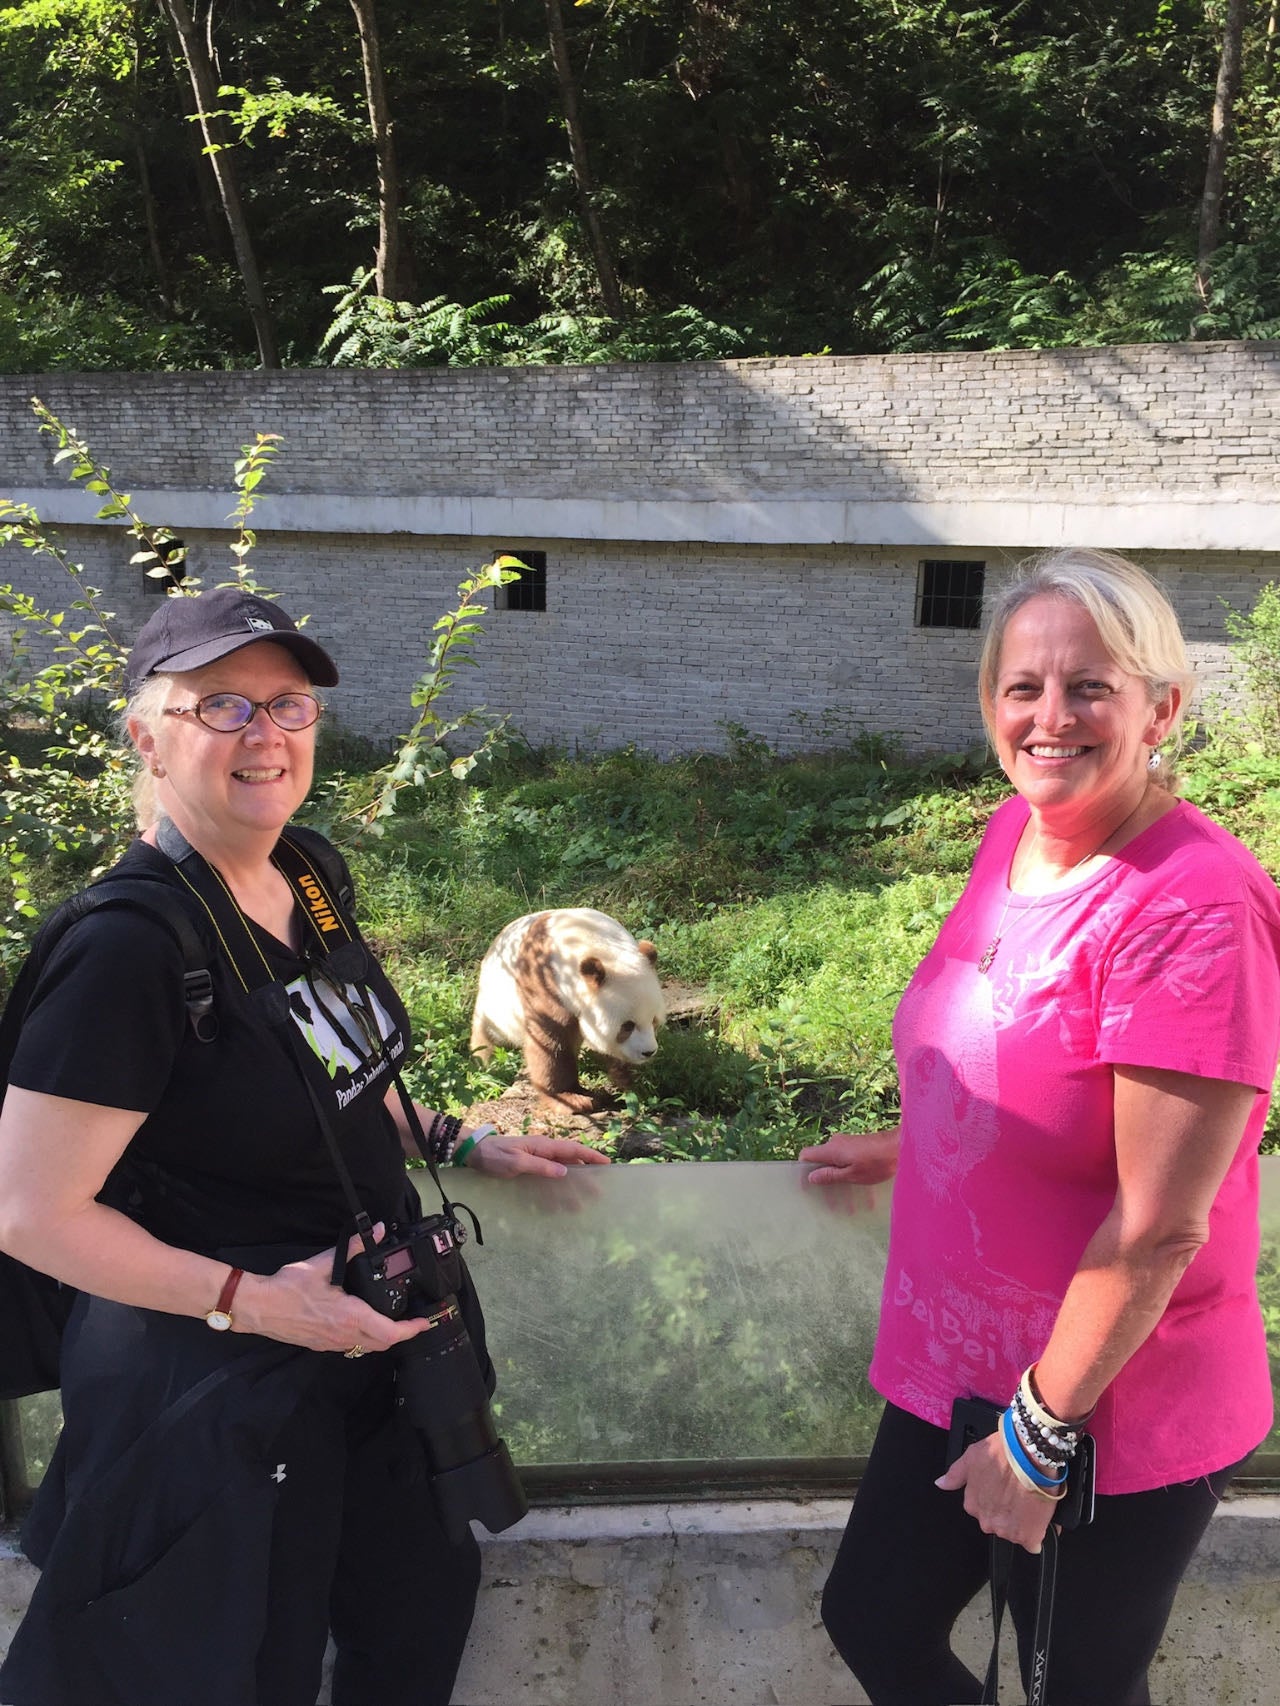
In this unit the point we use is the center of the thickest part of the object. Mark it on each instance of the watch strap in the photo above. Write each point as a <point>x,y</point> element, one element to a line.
<point>227,1295</point>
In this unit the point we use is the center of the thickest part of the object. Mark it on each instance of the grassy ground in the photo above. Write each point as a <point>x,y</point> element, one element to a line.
<point>798,893</point>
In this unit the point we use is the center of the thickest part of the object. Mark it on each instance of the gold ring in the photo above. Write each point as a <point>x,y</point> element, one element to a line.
<point>355,1351</point>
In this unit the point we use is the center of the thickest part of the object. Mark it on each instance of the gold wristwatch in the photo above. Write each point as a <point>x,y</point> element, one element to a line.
<point>219,1317</point>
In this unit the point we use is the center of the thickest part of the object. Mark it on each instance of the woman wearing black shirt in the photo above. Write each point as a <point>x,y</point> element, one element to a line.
<point>216,1507</point>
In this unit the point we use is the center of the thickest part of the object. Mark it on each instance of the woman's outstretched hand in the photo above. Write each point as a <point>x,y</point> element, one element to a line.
<point>853,1158</point>
<point>531,1152</point>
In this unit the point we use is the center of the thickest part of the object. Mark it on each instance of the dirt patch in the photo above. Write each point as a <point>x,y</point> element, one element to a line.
<point>687,1002</point>
<point>521,1108</point>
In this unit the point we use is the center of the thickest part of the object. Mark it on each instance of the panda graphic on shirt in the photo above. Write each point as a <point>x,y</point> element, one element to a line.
<point>348,1030</point>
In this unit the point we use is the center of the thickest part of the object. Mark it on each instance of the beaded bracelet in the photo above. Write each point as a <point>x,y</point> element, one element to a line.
<point>1047,1464</point>
<point>1052,1487</point>
<point>469,1143</point>
<point>1056,1448</point>
<point>442,1138</point>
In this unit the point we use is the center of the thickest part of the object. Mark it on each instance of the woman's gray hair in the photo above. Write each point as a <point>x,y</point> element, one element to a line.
<point>146,705</point>
<point>1132,613</point>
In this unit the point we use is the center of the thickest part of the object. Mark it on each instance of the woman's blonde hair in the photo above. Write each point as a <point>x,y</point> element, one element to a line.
<point>146,704</point>
<point>1133,615</point>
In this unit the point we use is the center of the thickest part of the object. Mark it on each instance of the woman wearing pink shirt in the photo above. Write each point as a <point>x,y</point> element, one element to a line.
<point>1085,1058</point>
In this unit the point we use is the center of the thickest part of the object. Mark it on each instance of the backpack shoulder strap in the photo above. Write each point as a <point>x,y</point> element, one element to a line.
<point>151,896</point>
<point>159,900</point>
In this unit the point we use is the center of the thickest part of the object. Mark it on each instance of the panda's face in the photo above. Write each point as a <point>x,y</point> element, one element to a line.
<point>620,1011</point>
<point>636,1040</point>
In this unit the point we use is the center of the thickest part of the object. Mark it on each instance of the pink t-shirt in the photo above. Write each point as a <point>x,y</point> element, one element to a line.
<point>1168,956</point>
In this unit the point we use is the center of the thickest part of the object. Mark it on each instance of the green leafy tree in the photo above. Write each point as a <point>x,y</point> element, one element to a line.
<point>853,175</point>
<point>1257,662</point>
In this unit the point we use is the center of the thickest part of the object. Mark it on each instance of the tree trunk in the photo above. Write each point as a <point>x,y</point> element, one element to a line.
<point>163,287</point>
<point>1219,135</point>
<point>201,166</point>
<point>149,212</point>
<point>388,260</point>
<point>1269,46</point>
<point>609,291</point>
<point>202,83</point>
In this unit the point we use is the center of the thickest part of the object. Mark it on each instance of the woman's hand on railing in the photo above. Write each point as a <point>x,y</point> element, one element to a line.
<point>505,1156</point>
<point>853,1158</point>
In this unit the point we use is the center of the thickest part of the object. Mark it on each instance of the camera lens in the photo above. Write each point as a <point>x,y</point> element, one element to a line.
<point>439,1383</point>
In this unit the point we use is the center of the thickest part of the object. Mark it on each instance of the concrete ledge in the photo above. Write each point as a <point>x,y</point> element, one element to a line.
<point>1146,521</point>
<point>695,1604</point>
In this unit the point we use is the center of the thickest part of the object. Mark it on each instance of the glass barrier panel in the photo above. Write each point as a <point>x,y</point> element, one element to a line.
<point>716,1318</point>
<point>30,1436</point>
<point>652,1313</point>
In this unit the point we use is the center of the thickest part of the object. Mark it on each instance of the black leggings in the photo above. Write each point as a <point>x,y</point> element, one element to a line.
<point>912,1559</point>
<point>357,1549</point>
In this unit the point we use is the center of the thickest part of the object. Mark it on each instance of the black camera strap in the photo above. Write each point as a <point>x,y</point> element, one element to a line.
<point>345,961</point>
<point>349,963</point>
<point>1001,1563</point>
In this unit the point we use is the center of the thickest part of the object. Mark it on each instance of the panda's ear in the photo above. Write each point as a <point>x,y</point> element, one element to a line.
<point>592,969</point>
<point>649,951</point>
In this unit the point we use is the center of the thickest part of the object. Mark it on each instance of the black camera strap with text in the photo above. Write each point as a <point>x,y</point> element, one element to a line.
<point>344,959</point>
<point>1001,1563</point>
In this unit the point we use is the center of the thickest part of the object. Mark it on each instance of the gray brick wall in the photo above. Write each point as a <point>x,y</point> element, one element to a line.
<point>1201,418</point>
<point>664,644</point>
<point>657,645</point>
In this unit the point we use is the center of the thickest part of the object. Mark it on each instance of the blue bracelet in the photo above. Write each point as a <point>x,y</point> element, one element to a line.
<point>1020,1460</point>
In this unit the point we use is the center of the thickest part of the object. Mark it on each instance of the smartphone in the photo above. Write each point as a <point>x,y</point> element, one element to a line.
<point>974,1418</point>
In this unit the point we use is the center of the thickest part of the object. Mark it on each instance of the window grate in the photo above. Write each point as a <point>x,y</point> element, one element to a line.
<point>949,594</point>
<point>530,591</point>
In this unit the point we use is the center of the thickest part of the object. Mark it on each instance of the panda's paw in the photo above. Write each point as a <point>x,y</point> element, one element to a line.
<point>581,1101</point>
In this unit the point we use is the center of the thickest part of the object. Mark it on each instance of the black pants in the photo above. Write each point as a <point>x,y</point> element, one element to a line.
<point>209,1518</point>
<point>911,1559</point>
<point>366,1559</point>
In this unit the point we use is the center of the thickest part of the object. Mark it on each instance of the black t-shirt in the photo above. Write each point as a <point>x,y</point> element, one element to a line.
<point>231,1154</point>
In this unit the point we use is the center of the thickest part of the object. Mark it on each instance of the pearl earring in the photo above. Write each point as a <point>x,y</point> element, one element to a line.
<point>157,770</point>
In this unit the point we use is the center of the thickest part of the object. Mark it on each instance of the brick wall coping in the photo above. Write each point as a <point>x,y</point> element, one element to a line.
<point>1150,521</point>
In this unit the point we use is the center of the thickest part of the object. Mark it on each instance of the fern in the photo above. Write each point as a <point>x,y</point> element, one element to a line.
<point>370,331</point>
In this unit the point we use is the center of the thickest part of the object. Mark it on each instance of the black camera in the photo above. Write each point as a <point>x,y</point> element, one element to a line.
<point>417,1272</point>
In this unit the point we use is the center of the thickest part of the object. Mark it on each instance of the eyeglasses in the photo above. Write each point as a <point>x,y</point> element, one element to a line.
<point>228,713</point>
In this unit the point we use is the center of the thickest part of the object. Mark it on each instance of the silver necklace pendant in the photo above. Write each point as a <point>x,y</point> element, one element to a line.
<point>984,964</point>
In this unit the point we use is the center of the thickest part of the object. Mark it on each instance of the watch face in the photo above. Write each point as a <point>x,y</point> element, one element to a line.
<point>219,1320</point>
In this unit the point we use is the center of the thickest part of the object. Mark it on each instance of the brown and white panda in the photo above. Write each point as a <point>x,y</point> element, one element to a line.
<point>554,982</point>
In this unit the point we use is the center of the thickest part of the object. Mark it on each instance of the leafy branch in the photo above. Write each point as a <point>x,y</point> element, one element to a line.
<point>159,544</point>
<point>63,781</point>
<point>423,755</point>
<point>250,469</point>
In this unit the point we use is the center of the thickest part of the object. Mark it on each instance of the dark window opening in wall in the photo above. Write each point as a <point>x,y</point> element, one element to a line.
<point>530,591</point>
<point>949,594</point>
<point>172,559</point>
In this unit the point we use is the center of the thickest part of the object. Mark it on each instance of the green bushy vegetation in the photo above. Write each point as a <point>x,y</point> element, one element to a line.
<point>799,893</point>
